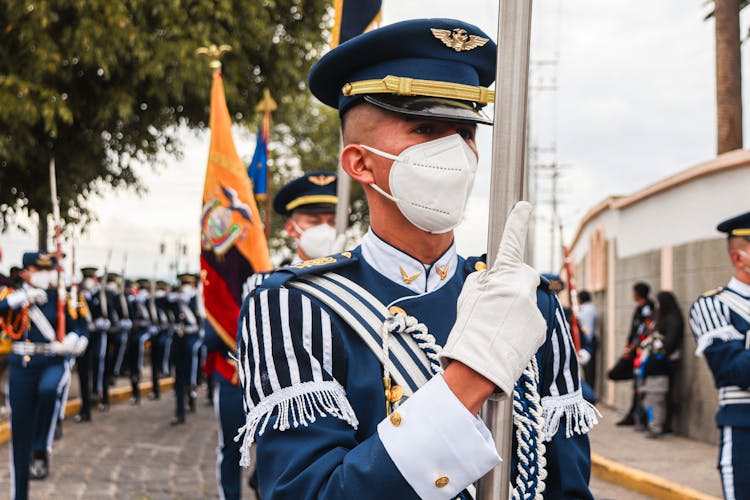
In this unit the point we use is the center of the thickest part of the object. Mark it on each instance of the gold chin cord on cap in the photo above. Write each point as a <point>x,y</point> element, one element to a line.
<point>414,87</point>
<point>741,232</point>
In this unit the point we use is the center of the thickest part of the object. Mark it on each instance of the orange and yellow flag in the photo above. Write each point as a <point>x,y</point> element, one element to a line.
<point>233,245</point>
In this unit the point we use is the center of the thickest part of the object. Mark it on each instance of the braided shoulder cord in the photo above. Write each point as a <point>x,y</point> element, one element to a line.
<point>528,421</point>
<point>401,323</point>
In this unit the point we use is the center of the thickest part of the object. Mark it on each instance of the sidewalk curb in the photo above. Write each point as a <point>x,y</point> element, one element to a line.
<point>116,395</point>
<point>642,482</point>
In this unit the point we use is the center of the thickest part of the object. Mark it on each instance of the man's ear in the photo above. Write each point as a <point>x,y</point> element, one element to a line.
<point>354,162</point>
<point>290,229</point>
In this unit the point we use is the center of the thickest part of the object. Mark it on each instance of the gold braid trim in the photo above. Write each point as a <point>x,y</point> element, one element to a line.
<point>411,86</point>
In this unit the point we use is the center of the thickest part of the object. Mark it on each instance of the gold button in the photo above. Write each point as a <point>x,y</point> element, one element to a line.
<point>396,310</point>
<point>395,393</point>
<point>480,266</point>
<point>26,358</point>
<point>442,481</point>
<point>396,419</point>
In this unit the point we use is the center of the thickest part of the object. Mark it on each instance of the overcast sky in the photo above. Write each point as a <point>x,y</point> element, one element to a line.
<point>634,103</point>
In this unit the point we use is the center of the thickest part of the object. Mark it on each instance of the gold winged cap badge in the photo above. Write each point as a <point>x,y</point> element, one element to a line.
<point>458,39</point>
<point>321,180</point>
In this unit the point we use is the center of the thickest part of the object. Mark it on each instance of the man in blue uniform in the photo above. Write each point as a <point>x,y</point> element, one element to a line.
<point>720,320</point>
<point>363,372</point>
<point>90,364</point>
<point>117,333</point>
<point>161,341</point>
<point>309,203</point>
<point>186,343</point>
<point>38,370</point>
<point>145,319</point>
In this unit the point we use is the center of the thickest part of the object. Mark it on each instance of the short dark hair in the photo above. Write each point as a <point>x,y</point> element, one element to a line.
<point>584,296</point>
<point>641,289</point>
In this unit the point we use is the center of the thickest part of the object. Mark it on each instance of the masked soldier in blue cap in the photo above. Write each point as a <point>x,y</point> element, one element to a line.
<point>720,320</point>
<point>39,368</point>
<point>364,371</point>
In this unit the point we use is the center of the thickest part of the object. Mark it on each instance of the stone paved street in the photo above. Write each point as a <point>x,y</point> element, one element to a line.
<point>131,453</point>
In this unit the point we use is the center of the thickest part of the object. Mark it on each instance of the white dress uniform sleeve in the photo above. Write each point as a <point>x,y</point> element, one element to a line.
<point>709,320</point>
<point>560,386</point>
<point>436,444</point>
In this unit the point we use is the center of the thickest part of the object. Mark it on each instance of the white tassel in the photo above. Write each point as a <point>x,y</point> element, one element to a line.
<point>295,406</point>
<point>580,415</point>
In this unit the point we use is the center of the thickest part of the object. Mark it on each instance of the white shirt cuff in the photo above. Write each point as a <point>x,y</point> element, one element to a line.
<point>437,445</point>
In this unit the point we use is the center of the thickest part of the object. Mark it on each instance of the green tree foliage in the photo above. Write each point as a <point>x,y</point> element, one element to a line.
<point>104,84</point>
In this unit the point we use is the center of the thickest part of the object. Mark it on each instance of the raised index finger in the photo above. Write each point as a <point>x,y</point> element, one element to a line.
<point>513,242</point>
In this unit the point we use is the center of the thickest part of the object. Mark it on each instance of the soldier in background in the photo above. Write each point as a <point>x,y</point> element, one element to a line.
<point>145,319</point>
<point>186,344</point>
<point>38,368</point>
<point>90,364</point>
<point>720,320</point>
<point>161,341</point>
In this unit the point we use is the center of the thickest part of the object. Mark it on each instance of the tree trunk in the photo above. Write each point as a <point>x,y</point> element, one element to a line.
<point>728,76</point>
<point>43,232</point>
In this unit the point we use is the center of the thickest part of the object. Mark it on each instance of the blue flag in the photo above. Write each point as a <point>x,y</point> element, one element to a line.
<point>257,170</point>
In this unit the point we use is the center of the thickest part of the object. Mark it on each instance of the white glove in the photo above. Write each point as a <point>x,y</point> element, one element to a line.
<point>584,357</point>
<point>102,324</point>
<point>81,345</point>
<point>18,299</point>
<point>66,346</point>
<point>126,324</point>
<point>153,330</point>
<point>36,295</point>
<point>498,325</point>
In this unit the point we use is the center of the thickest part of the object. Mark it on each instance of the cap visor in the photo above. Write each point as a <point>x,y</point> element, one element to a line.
<point>430,107</point>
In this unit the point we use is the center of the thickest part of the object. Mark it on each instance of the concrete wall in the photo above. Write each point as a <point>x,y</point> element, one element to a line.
<point>696,267</point>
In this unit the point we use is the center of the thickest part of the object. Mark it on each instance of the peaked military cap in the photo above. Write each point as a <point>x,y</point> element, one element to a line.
<point>434,68</point>
<point>736,226</point>
<point>42,260</point>
<point>314,192</point>
<point>89,272</point>
<point>163,285</point>
<point>113,277</point>
<point>187,279</point>
<point>143,283</point>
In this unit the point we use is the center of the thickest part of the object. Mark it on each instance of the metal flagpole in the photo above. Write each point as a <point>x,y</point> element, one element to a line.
<point>267,106</point>
<point>506,188</point>
<point>60,332</point>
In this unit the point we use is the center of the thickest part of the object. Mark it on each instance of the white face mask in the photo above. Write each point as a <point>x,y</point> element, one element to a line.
<point>111,286</point>
<point>187,290</point>
<point>43,279</point>
<point>745,258</point>
<point>88,284</point>
<point>318,241</point>
<point>431,182</point>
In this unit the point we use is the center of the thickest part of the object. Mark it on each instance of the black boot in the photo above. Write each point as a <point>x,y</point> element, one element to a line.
<point>179,420</point>
<point>39,468</point>
<point>82,417</point>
